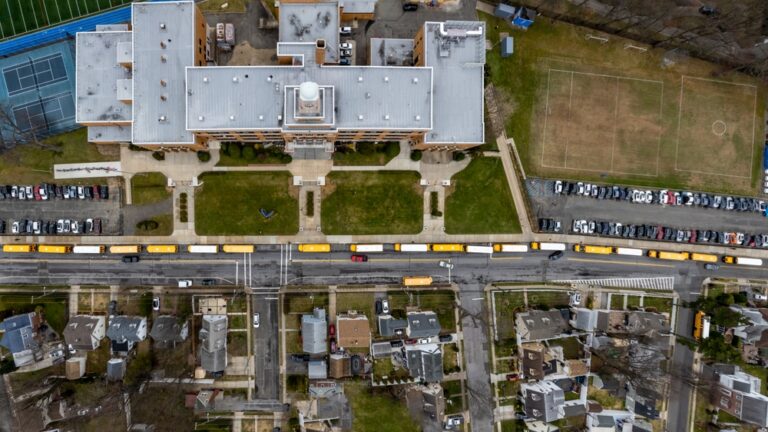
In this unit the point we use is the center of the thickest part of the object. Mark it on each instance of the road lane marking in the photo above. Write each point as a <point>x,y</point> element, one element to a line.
<point>629,263</point>
<point>506,258</point>
<point>113,261</point>
<point>327,260</point>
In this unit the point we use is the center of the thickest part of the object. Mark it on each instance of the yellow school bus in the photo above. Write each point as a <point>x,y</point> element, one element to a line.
<point>701,326</point>
<point>54,249</point>
<point>704,257</point>
<point>314,247</point>
<point>125,249</point>
<point>590,249</point>
<point>446,247</point>
<point>18,248</point>
<point>237,248</point>
<point>666,255</point>
<point>417,280</point>
<point>162,249</point>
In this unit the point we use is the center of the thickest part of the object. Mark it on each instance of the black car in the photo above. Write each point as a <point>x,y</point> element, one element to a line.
<point>209,282</point>
<point>379,308</point>
<point>131,259</point>
<point>396,343</point>
<point>104,191</point>
<point>445,338</point>
<point>554,256</point>
<point>410,7</point>
<point>88,192</point>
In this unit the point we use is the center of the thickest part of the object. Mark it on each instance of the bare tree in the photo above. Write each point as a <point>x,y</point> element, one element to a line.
<point>13,133</point>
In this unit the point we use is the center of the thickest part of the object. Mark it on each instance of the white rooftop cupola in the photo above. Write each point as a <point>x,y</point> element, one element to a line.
<point>309,98</point>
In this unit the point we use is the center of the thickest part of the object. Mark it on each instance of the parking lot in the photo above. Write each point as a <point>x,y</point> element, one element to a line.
<point>75,209</point>
<point>565,208</point>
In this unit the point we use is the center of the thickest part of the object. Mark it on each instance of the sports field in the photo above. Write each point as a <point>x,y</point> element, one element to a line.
<point>610,110</point>
<point>21,16</point>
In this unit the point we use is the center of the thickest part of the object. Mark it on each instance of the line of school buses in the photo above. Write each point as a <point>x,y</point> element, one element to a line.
<point>398,247</point>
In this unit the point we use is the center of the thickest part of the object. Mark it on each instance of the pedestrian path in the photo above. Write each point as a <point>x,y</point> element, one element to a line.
<point>666,283</point>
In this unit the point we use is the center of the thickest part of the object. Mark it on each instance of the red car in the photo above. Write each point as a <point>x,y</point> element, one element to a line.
<point>37,193</point>
<point>359,258</point>
<point>96,192</point>
<point>410,341</point>
<point>332,330</point>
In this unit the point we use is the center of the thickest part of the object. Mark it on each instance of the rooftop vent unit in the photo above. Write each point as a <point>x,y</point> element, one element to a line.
<point>234,79</point>
<point>200,118</point>
<point>415,80</point>
<point>205,80</point>
<point>162,26</point>
<point>232,118</point>
<point>360,79</point>
<point>386,116</point>
<point>360,117</point>
<point>386,79</point>
<point>161,118</point>
<point>417,118</point>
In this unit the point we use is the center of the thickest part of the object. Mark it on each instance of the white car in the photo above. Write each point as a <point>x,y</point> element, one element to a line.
<point>22,193</point>
<point>14,191</point>
<point>60,226</point>
<point>588,189</point>
<point>345,45</point>
<point>65,192</point>
<point>345,31</point>
<point>30,194</point>
<point>185,283</point>
<point>256,320</point>
<point>80,192</point>
<point>648,197</point>
<point>664,197</point>
<point>580,188</point>
<point>424,340</point>
<point>576,226</point>
<point>558,187</point>
<point>36,227</point>
<point>446,264</point>
<point>15,227</point>
<point>75,227</point>
<point>156,303</point>
<point>385,306</point>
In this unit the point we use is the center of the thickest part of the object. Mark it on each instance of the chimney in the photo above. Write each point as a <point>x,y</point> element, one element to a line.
<point>320,51</point>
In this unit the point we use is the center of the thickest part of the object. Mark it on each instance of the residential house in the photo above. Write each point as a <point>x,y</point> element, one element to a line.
<point>20,337</point>
<point>425,362</point>
<point>339,366</point>
<point>167,331</point>
<point>381,349</point>
<point>212,306</point>
<point>641,401</point>
<point>353,331</point>
<point>584,319</point>
<point>317,369</point>
<point>648,324</point>
<point>738,393</point>
<point>213,343</point>
<point>537,362</point>
<point>540,325</point>
<point>422,324</point>
<point>426,401</point>
<point>314,332</point>
<point>74,368</point>
<point>85,332</point>
<point>543,400</point>
<point>389,326</point>
<point>610,421</point>
<point>125,331</point>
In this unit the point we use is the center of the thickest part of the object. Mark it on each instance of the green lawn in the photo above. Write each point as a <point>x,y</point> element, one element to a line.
<point>148,188</point>
<point>305,303</point>
<point>661,304</point>
<point>215,213</point>
<point>33,164</point>
<point>377,410</point>
<point>479,201</point>
<point>384,202</point>
<point>367,154</point>
<point>52,305</point>
<point>361,302</point>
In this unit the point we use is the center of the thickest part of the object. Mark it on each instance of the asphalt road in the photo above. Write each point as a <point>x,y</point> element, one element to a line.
<point>266,353</point>
<point>471,273</point>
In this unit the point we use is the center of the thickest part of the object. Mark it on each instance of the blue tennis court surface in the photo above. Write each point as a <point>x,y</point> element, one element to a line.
<point>31,73</point>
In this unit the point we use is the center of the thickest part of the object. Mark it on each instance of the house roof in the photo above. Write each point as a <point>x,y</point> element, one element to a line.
<point>213,361</point>
<point>80,328</point>
<point>425,362</point>
<point>317,369</point>
<point>381,349</point>
<point>543,400</point>
<point>116,369</point>
<point>533,360</point>
<point>353,331</point>
<point>125,328</point>
<point>388,325</point>
<point>339,366</point>
<point>314,331</point>
<point>167,328</point>
<point>574,408</point>
<point>539,324</point>
<point>19,332</point>
<point>423,324</point>
<point>647,323</point>
<point>213,334</point>
<point>754,409</point>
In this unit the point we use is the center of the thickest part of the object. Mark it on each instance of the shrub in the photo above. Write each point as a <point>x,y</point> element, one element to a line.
<point>459,156</point>
<point>134,147</point>
<point>236,150</point>
<point>249,153</point>
<point>310,204</point>
<point>225,148</point>
<point>183,216</point>
<point>416,155</point>
<point>366,148</point>
<point>434,204</point>
<point>286,158</point>
<point>392,149</point>
<point>147,225</point>
<point>203,156</point>
<point>158,155</point>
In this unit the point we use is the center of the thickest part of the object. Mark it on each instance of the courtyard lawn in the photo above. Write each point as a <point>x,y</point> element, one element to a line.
<point>479,200</point>
<point>385,202</point>
<point>215,213</point>
<point>148,188</point>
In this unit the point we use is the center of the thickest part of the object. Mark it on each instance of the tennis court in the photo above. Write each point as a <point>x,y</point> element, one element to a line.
<point>22,16</point>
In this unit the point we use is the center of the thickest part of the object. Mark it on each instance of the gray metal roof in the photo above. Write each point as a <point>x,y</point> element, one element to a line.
<point>314,333</point>
<point>456,51</point>
<point>213,334</point>
<point>116,369</point>
<point>215,361</point>
<point>423,324</point>
<point>358,6</point>
<point>309,22</point>
<point>317,369</point>
<point>365,97</point>
<point>163,45</point>
<point>754,409</point>
<point>390,52</point>
<point>97,74</point>
<point>97,134</point>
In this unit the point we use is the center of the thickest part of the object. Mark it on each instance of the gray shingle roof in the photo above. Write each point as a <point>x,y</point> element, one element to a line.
<point>538,324</point>
<point>79,330</point>
<point>388,325</point>
<point>167,328</point>
<point>425,362</point>
<point>423,324</point>
<point>125,328</point>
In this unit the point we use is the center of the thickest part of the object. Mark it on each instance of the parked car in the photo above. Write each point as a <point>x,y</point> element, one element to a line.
<point>131,259</point>
<point>332,330</point>
<point>208,282</point>
<point>156,303</point>
<point>445,338</point>
<point>385,306</point>
<point>359,258</point>
<point>447,265</point>
<point>378,307</point>
<point>410,7</point>
<point>396,343</point>
<point>256,320</point>
<point>345,45</point>
<point>345,31</point>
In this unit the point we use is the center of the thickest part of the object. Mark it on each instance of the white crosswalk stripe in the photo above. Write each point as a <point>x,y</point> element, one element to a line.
<point>666,283</point>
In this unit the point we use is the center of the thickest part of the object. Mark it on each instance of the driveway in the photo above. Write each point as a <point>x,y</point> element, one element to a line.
<point>265,347</point>
<point>476,356</point>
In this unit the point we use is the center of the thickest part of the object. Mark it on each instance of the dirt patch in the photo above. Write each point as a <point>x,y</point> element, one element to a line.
<point>246,55</point>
